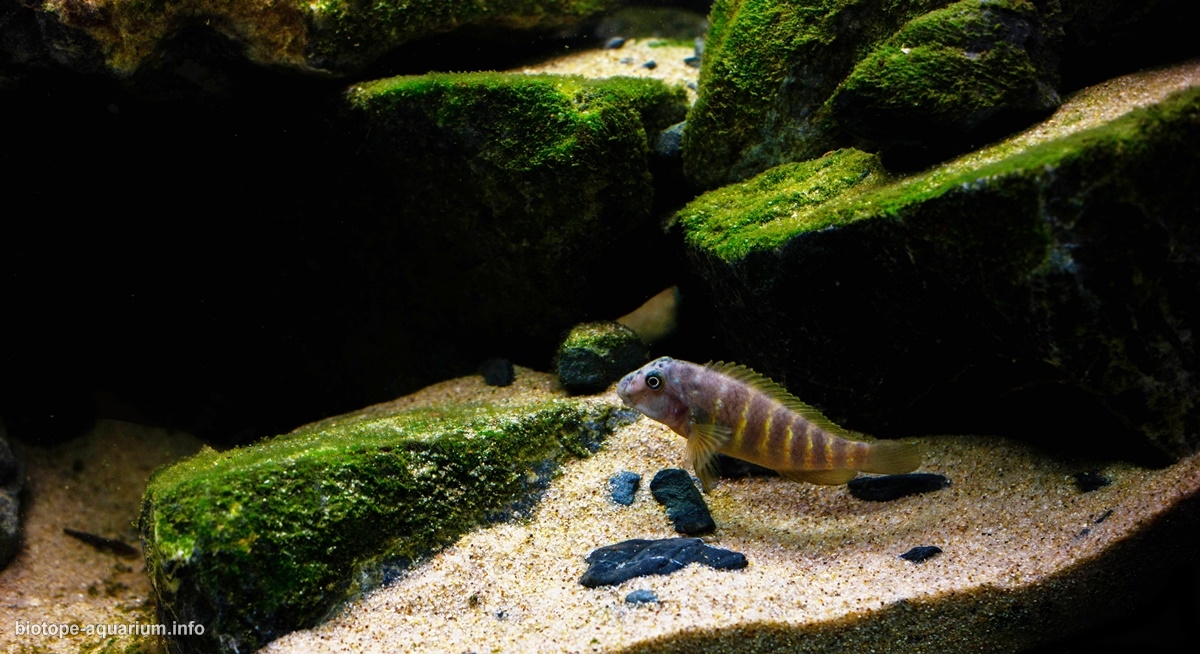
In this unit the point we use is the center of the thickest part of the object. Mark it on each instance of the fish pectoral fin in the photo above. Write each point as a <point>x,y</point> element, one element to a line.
<point>702,450</point>
<point>823,477</point>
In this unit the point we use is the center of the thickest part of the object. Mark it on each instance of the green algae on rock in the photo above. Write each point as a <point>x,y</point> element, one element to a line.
<point>325,36</point>
<point>783,83</point>
<point>1038,287</point>
<point>949,71</point>
<point>510,196</point>
<point>596,354</point>
<point>261,540</point>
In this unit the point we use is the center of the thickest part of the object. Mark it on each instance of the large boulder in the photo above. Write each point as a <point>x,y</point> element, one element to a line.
<point>1041,287</point>
<point>504,199</point>
<point>329,36</point>
<point>785,81</point>
<point>261,540</point>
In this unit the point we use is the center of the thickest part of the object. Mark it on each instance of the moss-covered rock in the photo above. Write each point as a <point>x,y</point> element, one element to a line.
<point>946,74</point>
<point>596,354</point>
<point>785,81</point>
<point>260,540</point>
<point>335,36</point>
<point>509,197</point>
<point>1041,287</point>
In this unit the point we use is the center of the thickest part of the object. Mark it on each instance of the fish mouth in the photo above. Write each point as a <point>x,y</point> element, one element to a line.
<point>623,391</point>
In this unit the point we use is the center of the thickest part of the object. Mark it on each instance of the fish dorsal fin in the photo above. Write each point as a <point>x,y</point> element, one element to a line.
<point>775,391</point>
<point>823,477</point>
<point>702,448</point>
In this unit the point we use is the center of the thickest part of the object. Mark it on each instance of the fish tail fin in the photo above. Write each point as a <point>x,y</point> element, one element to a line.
<point>892,457</point>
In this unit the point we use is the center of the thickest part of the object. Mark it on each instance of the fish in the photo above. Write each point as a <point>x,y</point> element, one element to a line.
<point>728,408</point>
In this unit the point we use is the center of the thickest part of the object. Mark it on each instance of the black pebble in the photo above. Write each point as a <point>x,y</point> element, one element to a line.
<point>614,43</point>
<point>638,557</point>
<point>623,486</point>
<point>497,372</point>
<point>642,596</point>
<point>921,553</point>
<point>1090,480</point>
<point>890,487</point>
<point>673,488</point>
<point>650,65</point>
<point>692,61</point>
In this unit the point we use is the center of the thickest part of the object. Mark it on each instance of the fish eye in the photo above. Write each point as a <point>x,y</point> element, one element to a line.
<point>654,380</point>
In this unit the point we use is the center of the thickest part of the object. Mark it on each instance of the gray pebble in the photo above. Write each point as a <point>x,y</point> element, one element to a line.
<point>623,486</point>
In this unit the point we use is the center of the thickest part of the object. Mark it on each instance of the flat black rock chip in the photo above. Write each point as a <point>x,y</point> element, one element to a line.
<point>641,596</point>
<point>673,488</point>
<point>1090,480</point>
<point>638,557</point>
<point>623,486</point>
<point>921,554</point>
<point>891,487</point>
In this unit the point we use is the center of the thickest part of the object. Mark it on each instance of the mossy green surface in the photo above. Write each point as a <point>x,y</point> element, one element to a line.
<point>596,354</point>
<point>969,296</point>
<point>261,540</point>
<point>337,36</point>
<point>767,66</point>
<point>509,195</point>
<point>948,71</point>
<point>784,81</point>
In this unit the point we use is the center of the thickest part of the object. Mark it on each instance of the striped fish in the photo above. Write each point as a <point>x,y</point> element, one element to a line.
<point>728,408</point>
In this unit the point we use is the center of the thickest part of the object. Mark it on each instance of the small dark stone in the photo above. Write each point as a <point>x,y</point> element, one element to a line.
<point>639,557</point>
<point>651,65</point>
<point>596,354</point>
<point>623,486</point>
<point>921,554</point>
<point>641,596</point>
<point>1103,516</point>
<point>497,372</point>
<point>692,61</point>
<point>731,468</point>
<point>670,142</point>
<point>673,488</point>
<point>1090,480</point>
<point>614,43</point>
<point>891,487</point>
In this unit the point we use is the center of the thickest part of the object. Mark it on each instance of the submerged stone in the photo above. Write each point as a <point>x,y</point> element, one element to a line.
<point>262,540</point>
<point>638,557</point>
<point>1040,287</point>
<point>673,488</point>
<point>921,553</point>
<point>891,487</point>
<point>641,596</point>
<point>508,197</point>
<point>328,36</point>
<point>596,354</point>
<point>786,83</point>
<point>623,486</point>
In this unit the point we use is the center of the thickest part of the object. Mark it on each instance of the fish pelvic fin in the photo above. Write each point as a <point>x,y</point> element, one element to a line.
<point>702,446</point>
<point>892,457</point>
<point>823,477</point>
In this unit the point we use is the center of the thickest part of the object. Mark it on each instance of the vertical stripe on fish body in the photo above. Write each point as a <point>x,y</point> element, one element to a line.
<point>728,408</point>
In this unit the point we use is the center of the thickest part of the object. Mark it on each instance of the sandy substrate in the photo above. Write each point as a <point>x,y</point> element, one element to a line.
<point>93,484</point>
<point>630,61</point>
<point>824,569</point>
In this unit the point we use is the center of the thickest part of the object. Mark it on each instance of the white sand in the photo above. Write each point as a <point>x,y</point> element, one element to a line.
<point>92,484</point>
<point>1010,521</point>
